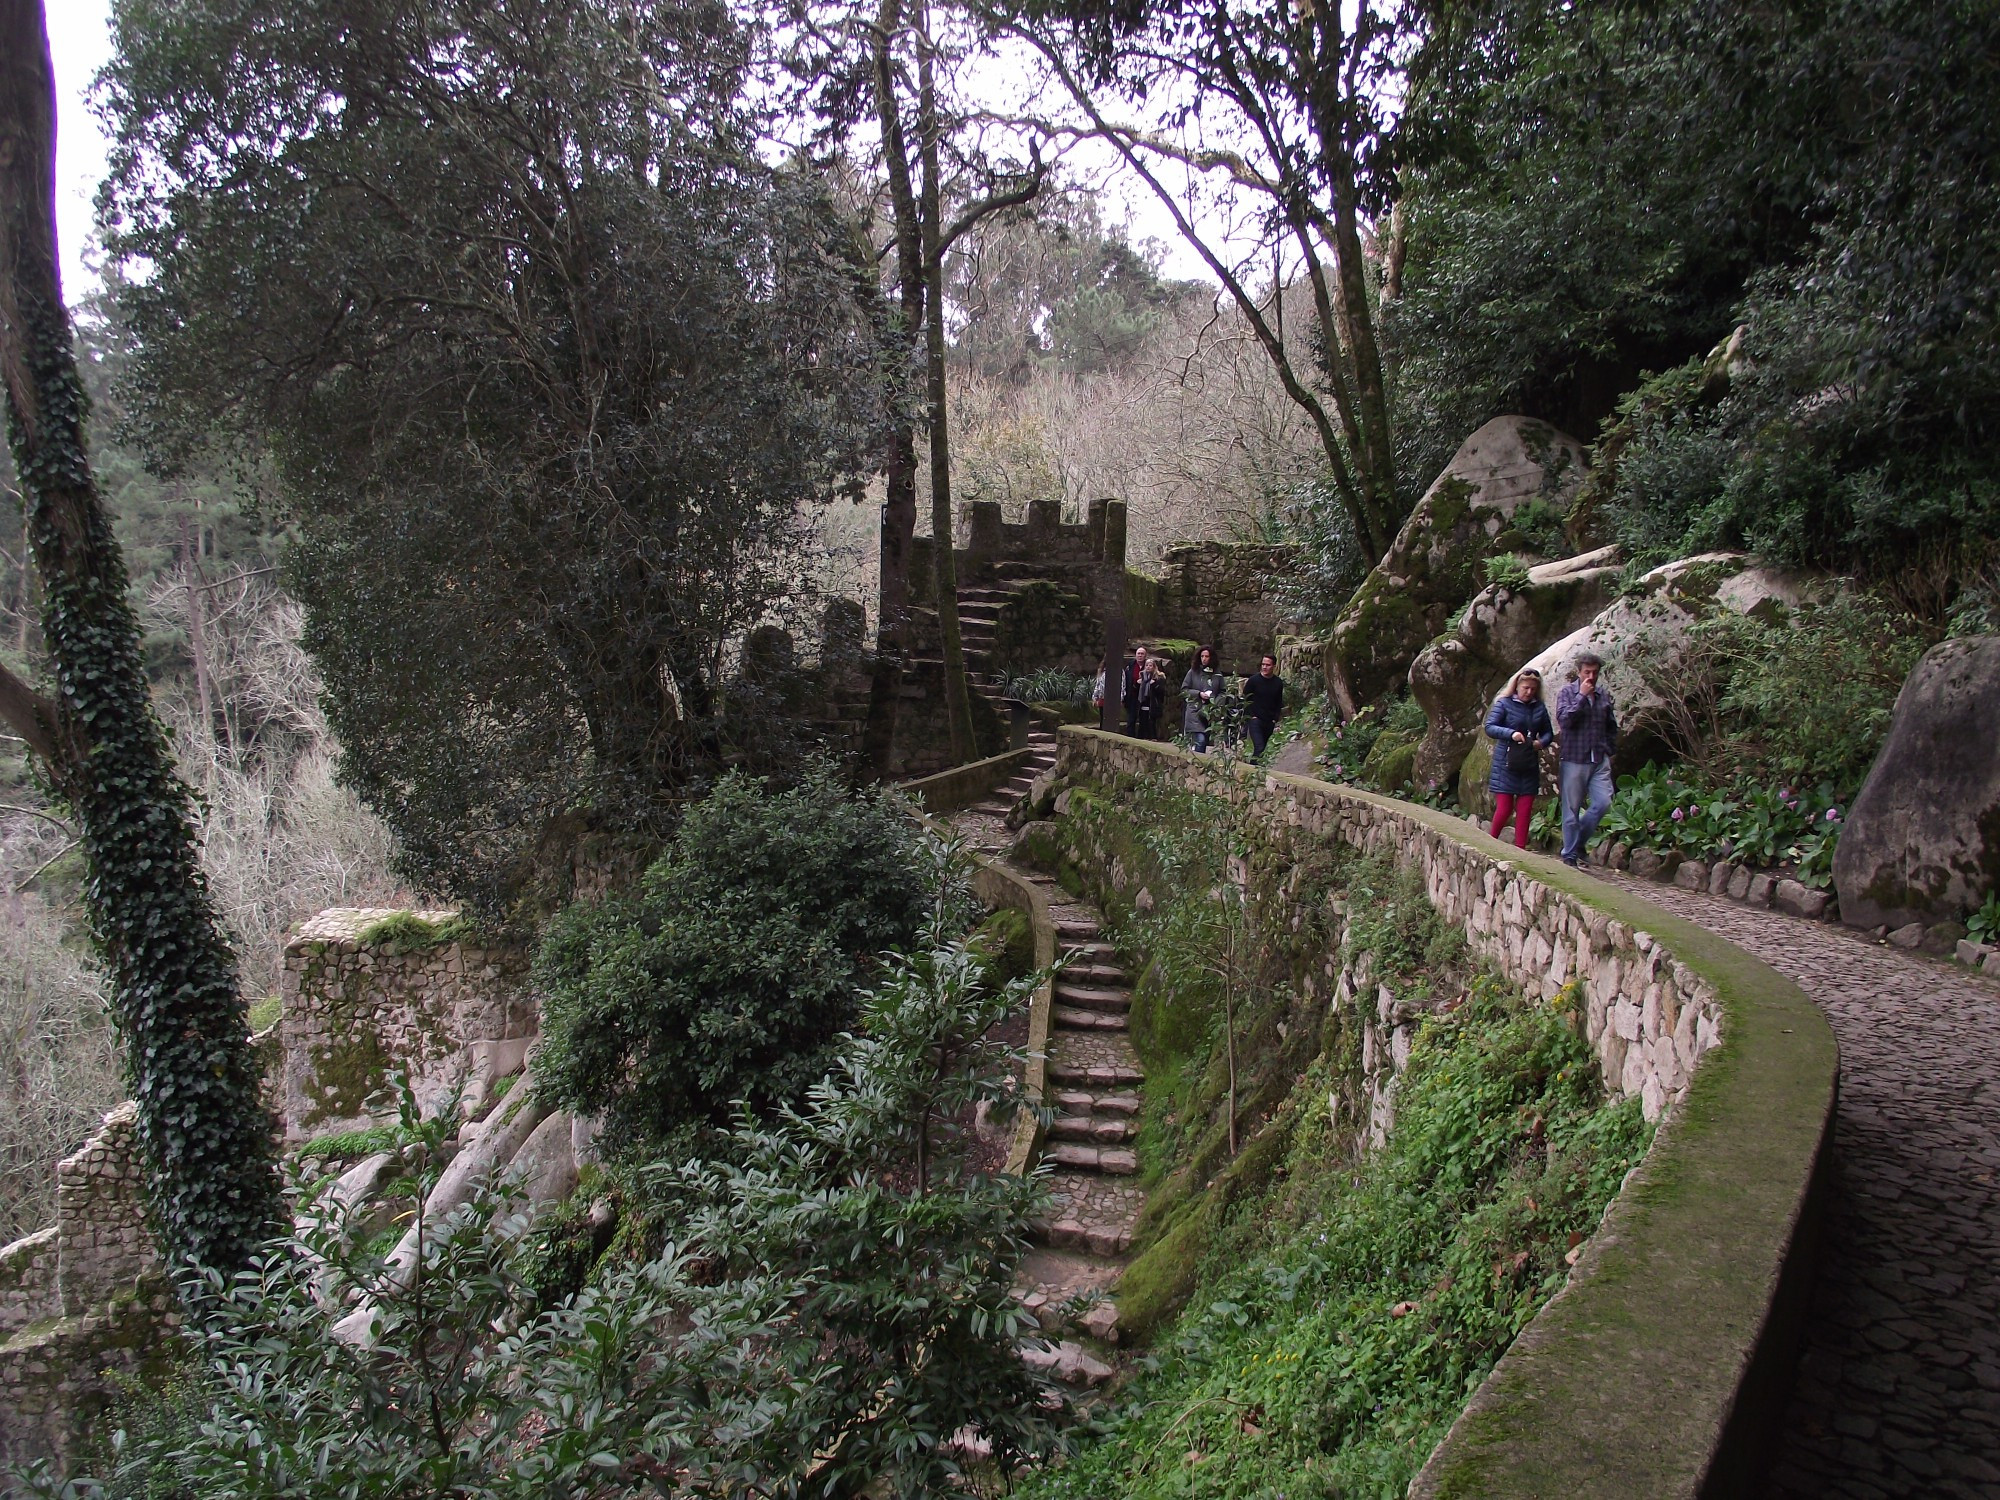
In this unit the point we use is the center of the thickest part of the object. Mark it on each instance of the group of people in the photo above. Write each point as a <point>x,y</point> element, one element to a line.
<point>1585,723</point>
<point>1143,692</point>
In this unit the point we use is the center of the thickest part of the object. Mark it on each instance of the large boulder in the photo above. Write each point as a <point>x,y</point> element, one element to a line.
<point>1922,841</point>
<point>1651,619</point>
<point>1457,676</point>
<point>1437,561</point>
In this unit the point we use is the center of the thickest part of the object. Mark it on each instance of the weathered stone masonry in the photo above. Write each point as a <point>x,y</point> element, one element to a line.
<point>448,1013</point>
<point>80,1300</point>
<point>1648,1017</point>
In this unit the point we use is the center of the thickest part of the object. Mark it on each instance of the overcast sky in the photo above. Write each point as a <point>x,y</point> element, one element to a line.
<point>80,43</point>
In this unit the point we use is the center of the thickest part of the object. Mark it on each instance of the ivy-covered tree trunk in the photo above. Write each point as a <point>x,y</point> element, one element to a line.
<point>207,1138</point>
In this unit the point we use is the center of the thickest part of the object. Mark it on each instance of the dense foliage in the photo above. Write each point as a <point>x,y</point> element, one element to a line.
<point>816,1322</point>
<point>550,369</point>
<point>728,973</point>
<point>1599,191</point>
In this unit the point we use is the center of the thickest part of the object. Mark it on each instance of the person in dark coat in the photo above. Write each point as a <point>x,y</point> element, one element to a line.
<point>1265,694</point>
<point>1519,726</point>
<point>1199,690</point>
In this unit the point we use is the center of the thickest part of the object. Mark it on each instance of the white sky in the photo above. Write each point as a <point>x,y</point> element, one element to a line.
<point>80,44</point>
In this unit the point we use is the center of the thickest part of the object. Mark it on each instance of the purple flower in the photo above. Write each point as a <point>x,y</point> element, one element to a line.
<point>1833,815</point>
<point>1678,815</point>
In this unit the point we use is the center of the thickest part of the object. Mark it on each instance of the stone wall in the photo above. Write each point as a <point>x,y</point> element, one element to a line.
<point>81,1301</point>
<point>1648,1017</point>
<point>1081,555</point>
<point>105,1250</point>
<point>1219,594</point>
<point>1669,1352</point>
<point>354,1011</point>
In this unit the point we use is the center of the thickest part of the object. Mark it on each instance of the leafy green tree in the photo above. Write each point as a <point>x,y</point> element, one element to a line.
<point>727,974</point>
<point>550,369</point>
<point>207,1139</point>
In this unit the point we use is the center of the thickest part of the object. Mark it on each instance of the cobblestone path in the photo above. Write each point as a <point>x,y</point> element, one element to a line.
<point>1898,1390</point>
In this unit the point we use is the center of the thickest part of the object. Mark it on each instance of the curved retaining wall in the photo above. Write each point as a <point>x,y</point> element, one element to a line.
<point>1656,1369</point>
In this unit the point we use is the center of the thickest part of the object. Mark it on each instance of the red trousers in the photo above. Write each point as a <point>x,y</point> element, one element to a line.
<point>1522,810</point>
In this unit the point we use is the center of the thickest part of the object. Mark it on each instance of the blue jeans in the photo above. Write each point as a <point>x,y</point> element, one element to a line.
<point>1586,797</point>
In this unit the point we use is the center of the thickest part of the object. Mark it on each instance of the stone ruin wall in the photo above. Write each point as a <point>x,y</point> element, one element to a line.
<point>81,1301</point>
<point>1219,594</point>
<point>354,1012</point>
<point>1647,1017</point>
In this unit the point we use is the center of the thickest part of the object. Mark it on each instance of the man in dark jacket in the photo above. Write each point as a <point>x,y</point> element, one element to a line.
<point>1129,694</point>
<point>1588,723</point>
<point>1265,694</point>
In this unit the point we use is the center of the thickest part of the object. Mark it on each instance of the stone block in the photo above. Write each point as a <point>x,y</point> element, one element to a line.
<point>1692,875</point>
<point>1648,864</point>
<point>1739,883</point>
<point>1970,953</point>
<point>1910,935</point>
<point>1760,890</point>
<point>1718,878</point>
<point>1799,900</point>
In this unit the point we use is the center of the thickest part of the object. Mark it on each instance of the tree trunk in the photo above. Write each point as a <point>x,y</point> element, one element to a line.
<point>212,1173</point>
<point>899,507</point>
<point>957,690</point>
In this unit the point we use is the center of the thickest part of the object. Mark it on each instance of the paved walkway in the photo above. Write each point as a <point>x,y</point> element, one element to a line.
<point>1898,1389</point>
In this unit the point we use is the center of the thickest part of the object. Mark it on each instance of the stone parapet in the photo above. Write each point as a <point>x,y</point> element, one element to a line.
<point>1656,1369</point>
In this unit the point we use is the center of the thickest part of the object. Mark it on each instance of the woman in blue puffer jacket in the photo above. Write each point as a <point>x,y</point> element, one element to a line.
<point>1520,727</point>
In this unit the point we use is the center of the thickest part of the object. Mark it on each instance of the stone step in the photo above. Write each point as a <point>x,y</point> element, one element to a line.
<point>991,809</point>
<point>1084,929</point>
<point>1113,1161</point>
<point>1108,976</point>
<point>1094,1130</point>
<point>1076,1234</point>
<point>1085,1102</point>
<point>1093,949</point>
<point>1087,997</point>
<point>1069,1019</point>
<point>1097,1075</point>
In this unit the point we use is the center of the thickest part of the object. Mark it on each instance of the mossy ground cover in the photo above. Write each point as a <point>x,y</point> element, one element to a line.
<point>1346,1310</point>
<point>1318,1318</point>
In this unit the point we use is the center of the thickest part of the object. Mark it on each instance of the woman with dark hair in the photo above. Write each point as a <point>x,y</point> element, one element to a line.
<point>1519,726</point>
<point>1199,689</point>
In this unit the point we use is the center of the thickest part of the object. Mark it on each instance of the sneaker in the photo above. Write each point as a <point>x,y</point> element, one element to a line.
<point>1572,863</point>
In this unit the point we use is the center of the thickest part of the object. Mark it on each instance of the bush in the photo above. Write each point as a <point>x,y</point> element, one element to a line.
<point>1763,826</point>
<point>1052,685</point>
<point>831,1306</point>
<point>1803,698</point>
<point>731,970</point>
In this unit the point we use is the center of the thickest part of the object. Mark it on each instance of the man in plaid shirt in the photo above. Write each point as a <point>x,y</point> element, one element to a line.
<point>1587,723</point>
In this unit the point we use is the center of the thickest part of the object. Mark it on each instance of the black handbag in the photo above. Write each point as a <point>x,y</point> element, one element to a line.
<point>1523,759</point>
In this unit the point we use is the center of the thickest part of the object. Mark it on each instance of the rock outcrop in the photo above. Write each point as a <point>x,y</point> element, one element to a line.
<point>1456,677</point>
<point>1651,620</point>
<point>1437,560</point>
<point>1922,841</point>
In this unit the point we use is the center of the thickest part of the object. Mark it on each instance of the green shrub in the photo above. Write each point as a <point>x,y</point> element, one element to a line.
<point>731,970</point>
<point>1754,823</point>
<point>822,1315</point>
<point>1983,925</point>
<point>405,932</point>
<point>1509,570</point>
<point>1052,685</point>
